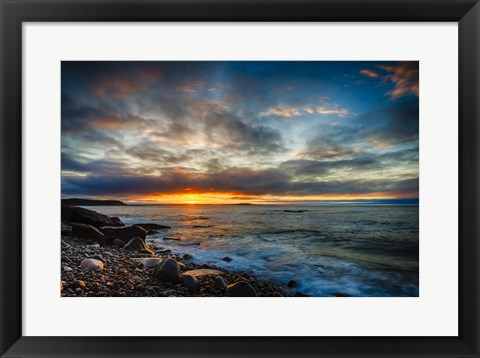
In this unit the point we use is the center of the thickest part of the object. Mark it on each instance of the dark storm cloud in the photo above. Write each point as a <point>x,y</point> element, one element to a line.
<point>245,181</point>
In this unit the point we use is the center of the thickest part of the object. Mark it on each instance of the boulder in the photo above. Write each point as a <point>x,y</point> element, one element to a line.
<point>118,243</point>
<point>92,265</point>
<point>124,233</point>
<point>168,270</point>
<point>191,283</point>
<point>220,283</point>
<point>187,257</point>
<point>152,226</point>
<point>240,289</point>
<point>137,245</point>
<point>88,232</point>
<point>90,217</point>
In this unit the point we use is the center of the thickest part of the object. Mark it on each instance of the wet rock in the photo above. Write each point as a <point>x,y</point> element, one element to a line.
<point>240,289</point>
<point>163,251</point>
<point>292,283</point>
<point>118,243</point>
<point>227,259</point>
<point>168,271</point>
<point>89,232</point>
<point>187,257</point>
<point>67,269</point>
<point>124,233</point>
<point>220,283</point>
<point>191,283</point>
<point>92,265</point>
<point>137,245</point>
<point>152,226</point>
<point>151,232</point>
<point>89,217</point>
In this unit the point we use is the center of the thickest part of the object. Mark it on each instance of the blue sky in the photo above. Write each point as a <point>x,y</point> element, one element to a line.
<point>226,132</point>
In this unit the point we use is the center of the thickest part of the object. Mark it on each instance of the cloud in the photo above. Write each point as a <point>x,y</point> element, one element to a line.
<point>369,73</point>
<point>403,75</point>
<point>342,112</point>
<point>124,81</point>
<point>281,111</point>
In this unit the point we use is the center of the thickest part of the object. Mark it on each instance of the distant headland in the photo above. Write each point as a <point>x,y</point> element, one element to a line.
<point>91,202</point>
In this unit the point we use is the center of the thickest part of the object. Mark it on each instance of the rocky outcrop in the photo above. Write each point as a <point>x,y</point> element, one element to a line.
<point>240,289</point>
<point>124,233</point>
<point>89,217</point>
<point>88,232</point>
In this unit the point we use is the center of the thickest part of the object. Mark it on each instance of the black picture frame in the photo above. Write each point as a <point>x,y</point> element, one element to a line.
<point>15,12</point>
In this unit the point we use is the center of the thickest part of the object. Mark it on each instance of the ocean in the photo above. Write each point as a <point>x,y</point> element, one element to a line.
<point>330,250</point>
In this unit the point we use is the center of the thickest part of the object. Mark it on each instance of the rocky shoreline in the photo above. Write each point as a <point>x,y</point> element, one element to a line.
<point>101,257</point>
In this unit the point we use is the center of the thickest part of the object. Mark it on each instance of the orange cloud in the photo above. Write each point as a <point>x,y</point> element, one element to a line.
<point>369,73</point>
<point>403,75</point>
<point>405,78</point>
<point>281,111</point>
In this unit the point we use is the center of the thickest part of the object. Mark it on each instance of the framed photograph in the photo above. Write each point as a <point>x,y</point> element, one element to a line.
<point>240,178</point>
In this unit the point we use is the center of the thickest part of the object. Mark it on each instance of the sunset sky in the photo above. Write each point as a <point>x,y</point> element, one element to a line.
<point>235,132</point>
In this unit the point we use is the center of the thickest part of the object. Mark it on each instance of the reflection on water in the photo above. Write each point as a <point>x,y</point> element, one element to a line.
<point>358,250</point>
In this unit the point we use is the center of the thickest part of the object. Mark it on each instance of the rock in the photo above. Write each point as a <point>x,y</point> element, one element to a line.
<point>171,238</point>
<point>89,232</point>
<point>149,261</point>
<point>137,244</point>
<point>153,226</point>
<point>292,283</point>
<point>203,272</point>
<point>78,284</point>
<point>191,283</point>
<point>92,265</point>
<point>99,258</point>
<point>220,283</point>
<point>118,243</point>
<point>66,212</point>
<point>89,217</point>
<point>227,259</point>
<point>240,289</point>
<point>163,251</point>
<point>168,270</point>
<point>124,233</point>
<point>151,232</point>
<point>67,269</point>
<point>187,257</point>
<point>61,286</point>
